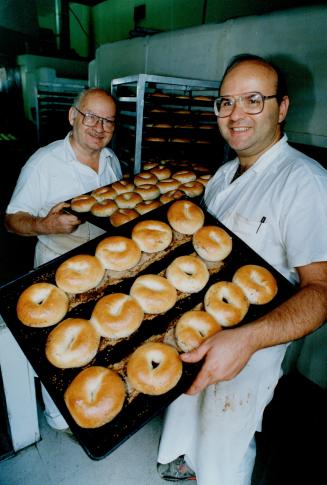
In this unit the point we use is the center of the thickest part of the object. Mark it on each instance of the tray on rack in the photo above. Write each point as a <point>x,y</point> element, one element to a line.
<point>139,409</point>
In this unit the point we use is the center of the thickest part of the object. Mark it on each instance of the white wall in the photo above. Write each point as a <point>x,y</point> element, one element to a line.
<point>296,39</point>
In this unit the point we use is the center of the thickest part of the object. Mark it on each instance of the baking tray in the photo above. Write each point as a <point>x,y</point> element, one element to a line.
<point>138,409</point>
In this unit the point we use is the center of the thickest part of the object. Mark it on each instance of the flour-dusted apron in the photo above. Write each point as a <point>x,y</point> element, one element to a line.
<point>215,428</point>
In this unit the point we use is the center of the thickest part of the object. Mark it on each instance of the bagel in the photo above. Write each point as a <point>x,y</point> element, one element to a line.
<point>122,186</point>
<point>72,343</point>
<point>258,284</point>
<point>42,305</point>
<point>116,316</point>
<point>192,189</point>
<point>82,203</point>
<point>185,217</point>
<point>184,176</point>
<point>167,185</point>
<point>171,195</point>
<point>79,273</point>
<point>212,243</point>
<point>154,368</point>
<point>128,200</point>
<point>145,178</point>
<point>152,236</point>
<point>227,303</point>
<point>148,191</point>
<point>104,193</point>
<point>104,208</point>
<point>118,253</point>
<point>147,206</point>
<point>161,172</point>
<point>188,274</point>
<point>149,165</point>
<point>154,293</point>
<point>193,328</point>
<point>121,216</point>
<point>95,396</point>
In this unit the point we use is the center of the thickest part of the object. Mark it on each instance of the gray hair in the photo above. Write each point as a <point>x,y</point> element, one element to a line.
<point>82,95</point>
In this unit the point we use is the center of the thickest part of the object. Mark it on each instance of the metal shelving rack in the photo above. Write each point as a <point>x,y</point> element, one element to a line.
<point>131,93</point>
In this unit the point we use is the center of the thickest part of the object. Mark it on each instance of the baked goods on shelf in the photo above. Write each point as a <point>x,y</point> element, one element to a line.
<point>95,396</point>
<point>72,343</point>
<point>154,368</point>
<point>122,186</point>
<point>41,305</point>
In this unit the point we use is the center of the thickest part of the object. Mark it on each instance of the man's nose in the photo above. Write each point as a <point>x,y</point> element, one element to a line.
<point>237,111</point>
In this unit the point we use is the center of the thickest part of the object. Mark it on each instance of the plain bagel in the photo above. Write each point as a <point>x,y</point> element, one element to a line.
<point>188,274</point>
<point>154,368</point>
<point>152,236</point>
<point>118,253</point>
<point>117,316</point>
<point>79,273</point>
<point>72,343</point>
<point>42,305</point>
<point>226,302</point>
<point>193,328</point>
<point>95,396</point>
<point>212,243</point>
<point>154,293</point>
<point>185,217</point>
<point>257,282</point>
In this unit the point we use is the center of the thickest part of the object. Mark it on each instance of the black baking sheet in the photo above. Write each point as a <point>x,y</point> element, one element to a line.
<point>98,443</point>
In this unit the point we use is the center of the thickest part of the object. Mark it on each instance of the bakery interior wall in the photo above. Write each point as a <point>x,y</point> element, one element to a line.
<point>292,37</point>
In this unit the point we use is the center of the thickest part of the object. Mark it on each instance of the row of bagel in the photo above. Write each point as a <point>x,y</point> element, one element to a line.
<point>125,200</point>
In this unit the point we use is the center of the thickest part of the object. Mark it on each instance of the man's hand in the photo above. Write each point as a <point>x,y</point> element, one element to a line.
<point>58,222</point>
<point>226,353</point>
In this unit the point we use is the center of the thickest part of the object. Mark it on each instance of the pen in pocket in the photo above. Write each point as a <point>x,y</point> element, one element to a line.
<point>263,219</point>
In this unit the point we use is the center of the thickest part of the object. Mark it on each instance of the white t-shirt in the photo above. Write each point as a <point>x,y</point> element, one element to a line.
<point>289,190</point>
<point>52,175</point>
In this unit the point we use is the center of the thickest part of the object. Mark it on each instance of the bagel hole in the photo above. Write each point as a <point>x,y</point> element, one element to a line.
<point>224,300</point>
<point>154,364</point>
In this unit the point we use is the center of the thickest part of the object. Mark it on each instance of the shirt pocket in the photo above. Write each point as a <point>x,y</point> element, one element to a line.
<point>260,235</point>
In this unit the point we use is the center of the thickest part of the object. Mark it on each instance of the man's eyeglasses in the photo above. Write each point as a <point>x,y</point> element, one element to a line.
<point>92,120</point>
<point>252,104</point>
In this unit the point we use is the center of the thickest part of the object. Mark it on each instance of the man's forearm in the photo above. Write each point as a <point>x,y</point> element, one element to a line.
<point>23,224</point>
<point>301,314</point>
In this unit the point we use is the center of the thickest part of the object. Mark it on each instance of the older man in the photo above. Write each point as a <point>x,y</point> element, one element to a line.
<point>56,173</point>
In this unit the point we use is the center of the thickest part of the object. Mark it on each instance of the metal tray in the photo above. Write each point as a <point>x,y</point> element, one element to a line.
<point>98,443</point>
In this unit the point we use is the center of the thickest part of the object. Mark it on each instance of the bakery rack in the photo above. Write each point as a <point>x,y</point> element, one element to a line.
<point>160,117</point>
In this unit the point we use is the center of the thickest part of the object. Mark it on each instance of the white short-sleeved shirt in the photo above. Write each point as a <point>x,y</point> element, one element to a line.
<point>289,190</point>
<point>52,175</point>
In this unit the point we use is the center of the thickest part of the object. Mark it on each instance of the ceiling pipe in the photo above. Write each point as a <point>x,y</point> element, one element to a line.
<point>62,25</point>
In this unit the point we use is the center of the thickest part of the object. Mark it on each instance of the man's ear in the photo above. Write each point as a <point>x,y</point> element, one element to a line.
<point>283,108</point>
<point>72,115</point>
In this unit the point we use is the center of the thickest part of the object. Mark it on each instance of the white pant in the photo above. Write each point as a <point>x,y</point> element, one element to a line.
<point>215,429</point>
